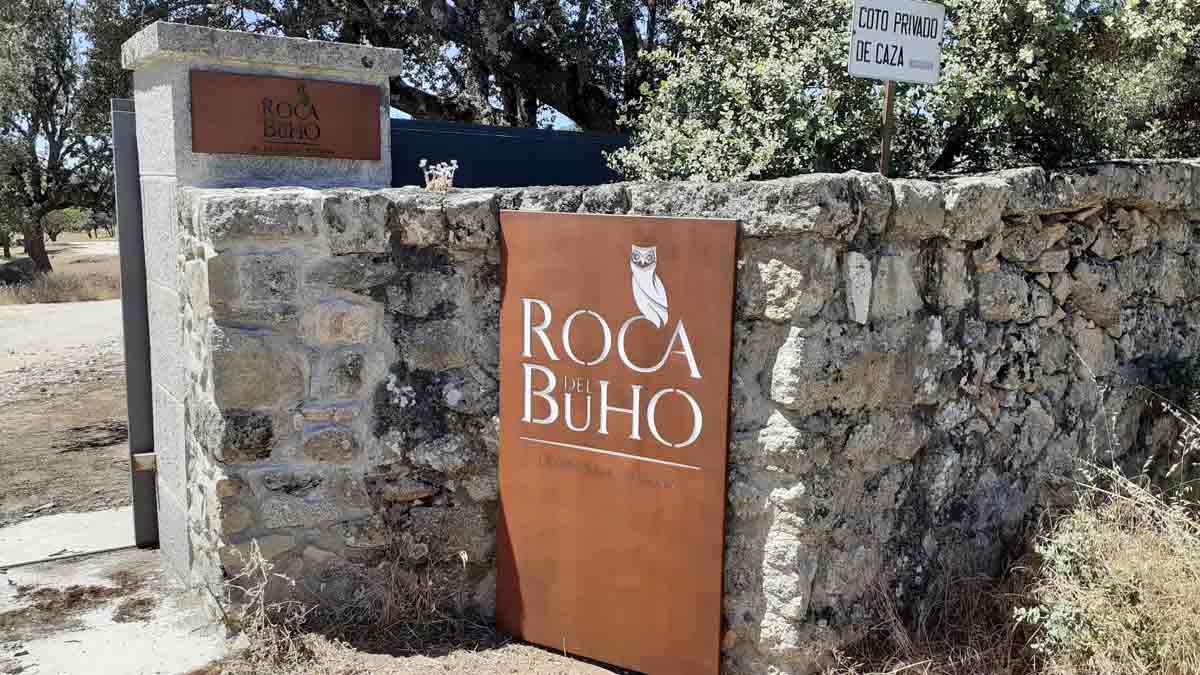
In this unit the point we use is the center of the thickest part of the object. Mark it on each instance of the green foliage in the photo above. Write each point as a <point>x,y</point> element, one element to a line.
<point>758,89</point>
<point>72,219</point>
<point>1119,590</point>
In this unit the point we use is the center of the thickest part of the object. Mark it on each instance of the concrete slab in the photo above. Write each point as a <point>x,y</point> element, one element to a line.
<point>117,612</point>
<point>65,534</point>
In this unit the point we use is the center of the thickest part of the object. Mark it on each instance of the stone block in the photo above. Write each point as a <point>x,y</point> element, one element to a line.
<point>823,368</point>
<point>895,292</point>
<point>785,281</point>
<point>1098,294</point>
<point>169,447</point>
<point>858,287</point>
<point>449,454</point>
<point>174,535</point>
<point>1026,237</point>
<point>356,221</point>
<point>154,89</point>
<point>340,374</point>
<point>1005,295</point>
<point>280,512</point>
<point>448,531</point>
<point>234,518</point>
<point>472,220</point>
<point>954,289</point>
<point>1054,260</point>
<point>352,272</point>
<point>437,345</point>
<point>340,322</point>
<point>254,369</point>
<point>253,287</point>
<point>296,482</point>
<point>166,339</point>
<point>920,211</point>
<point>555,198</point>
<point>1095,349</point>
<point>160,231</point>
<point>417,216</point>
<point>832,206</point>
<point>329,444</point>
<point>611,198</point>
<point>426,292</point>
<point>230,216</point>
<point>974,207</point>
<point>1028,193</point>
<point>249,436</point>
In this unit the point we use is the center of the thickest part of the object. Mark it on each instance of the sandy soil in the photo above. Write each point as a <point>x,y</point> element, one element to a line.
<point>62,410</point>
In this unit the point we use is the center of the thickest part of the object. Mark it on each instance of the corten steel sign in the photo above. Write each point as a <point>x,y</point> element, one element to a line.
<point>279,116</point>
<point>614,397</point>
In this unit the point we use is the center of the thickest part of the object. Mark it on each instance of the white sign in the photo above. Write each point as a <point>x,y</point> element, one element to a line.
<point>897,40</point>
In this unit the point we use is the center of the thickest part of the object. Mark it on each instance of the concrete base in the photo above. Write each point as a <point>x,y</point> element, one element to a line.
<point>66,534</point>
<point>174,632</point>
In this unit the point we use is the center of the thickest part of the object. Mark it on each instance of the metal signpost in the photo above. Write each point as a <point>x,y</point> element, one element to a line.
<point>896,41</point>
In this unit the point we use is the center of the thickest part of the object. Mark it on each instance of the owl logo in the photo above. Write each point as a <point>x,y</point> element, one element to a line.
<point>648,291</point>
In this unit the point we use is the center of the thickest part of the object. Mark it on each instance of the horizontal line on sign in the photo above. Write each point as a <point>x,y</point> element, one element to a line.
<point>610,453</point>
<point>288,143</point>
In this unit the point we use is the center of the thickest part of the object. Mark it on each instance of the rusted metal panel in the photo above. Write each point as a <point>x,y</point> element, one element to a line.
<point>614,398</point>
<point>280,116</point>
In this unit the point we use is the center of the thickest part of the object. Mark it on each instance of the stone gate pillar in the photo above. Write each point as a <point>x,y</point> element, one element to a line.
<point>163,58</point>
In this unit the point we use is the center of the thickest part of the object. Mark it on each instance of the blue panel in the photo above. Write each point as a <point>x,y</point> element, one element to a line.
<point>501,156</point>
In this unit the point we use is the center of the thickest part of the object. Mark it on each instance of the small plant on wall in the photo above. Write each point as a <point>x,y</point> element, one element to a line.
<point>439,177</point>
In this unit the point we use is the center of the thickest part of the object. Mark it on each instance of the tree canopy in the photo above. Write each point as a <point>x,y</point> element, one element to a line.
<point>55,151</point>
<point>758,89</point>
<point>711,89</point>
<point>506,62</point>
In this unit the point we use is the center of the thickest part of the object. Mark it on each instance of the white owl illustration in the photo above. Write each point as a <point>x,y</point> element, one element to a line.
<point>648,290</point>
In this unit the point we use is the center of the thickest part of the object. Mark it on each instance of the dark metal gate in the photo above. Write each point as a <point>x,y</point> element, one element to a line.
<point>502,156</point>
<point>136,328</point>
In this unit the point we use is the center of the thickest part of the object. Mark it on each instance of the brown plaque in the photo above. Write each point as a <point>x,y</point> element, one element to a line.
<point>280,116</point>
<point>614,401</point>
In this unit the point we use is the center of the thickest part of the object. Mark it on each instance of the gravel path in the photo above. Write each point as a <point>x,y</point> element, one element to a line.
<point>43,347</point>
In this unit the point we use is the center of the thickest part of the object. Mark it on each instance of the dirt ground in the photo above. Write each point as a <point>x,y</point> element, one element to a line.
<point>62,397</point>
<point>66,452</point>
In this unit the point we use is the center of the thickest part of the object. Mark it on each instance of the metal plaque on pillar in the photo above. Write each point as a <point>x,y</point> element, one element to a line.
<point>615,343</point>
<point>285,117</point>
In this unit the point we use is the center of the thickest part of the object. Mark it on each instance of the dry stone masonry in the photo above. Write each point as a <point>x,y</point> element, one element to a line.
<point>918,369</point>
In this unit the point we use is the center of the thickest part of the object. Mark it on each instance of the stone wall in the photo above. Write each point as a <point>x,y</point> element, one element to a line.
<point>918,367</point>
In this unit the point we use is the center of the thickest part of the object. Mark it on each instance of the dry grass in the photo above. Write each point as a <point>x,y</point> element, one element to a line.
<point>76,277</point>
<point>62,287</point>
<point>1119,590</point>
<point>402,608</point>
<point>383,611</point>
<point>967,628</point>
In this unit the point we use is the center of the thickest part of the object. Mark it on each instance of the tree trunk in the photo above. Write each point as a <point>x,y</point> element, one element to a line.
<point>6,242</point>
<point>35,248</point>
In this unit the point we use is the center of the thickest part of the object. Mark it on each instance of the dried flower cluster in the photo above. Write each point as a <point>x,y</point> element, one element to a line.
<point>439,177</point>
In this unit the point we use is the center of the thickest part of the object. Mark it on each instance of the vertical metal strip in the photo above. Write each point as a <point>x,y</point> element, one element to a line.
<point>136,323</point>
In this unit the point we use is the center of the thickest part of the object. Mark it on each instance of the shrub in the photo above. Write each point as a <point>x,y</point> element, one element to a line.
<point>1119,588</point>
